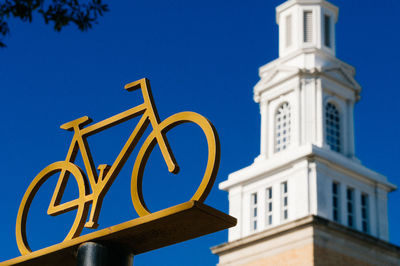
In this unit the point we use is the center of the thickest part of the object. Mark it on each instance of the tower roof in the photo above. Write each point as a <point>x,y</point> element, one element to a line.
<point>291,3</point>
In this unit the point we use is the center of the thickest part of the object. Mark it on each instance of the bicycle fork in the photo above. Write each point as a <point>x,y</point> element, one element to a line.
<point>99,189</point>
<point>97,197</point>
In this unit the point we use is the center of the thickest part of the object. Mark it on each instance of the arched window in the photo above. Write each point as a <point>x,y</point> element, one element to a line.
<point>332,126</point>
<point>282,127</point>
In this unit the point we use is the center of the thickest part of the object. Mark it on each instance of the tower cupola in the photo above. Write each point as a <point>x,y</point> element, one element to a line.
<point>306,24</point>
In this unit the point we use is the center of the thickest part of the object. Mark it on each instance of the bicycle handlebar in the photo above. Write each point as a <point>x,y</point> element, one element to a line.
<point>138,84</point>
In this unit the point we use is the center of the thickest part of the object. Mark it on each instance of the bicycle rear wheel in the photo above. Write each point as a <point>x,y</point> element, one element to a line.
<point>30,193</point>
<point>212,162</point>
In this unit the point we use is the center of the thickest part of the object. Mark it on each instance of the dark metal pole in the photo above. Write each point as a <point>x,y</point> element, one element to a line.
<point>100,254</point>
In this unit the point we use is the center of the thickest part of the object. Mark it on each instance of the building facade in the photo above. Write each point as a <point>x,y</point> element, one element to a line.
<point>307,199</point>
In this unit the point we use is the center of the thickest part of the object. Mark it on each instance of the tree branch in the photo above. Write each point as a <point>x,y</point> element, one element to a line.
<point>60,13</point>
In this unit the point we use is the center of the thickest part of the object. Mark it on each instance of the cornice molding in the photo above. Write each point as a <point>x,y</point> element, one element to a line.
<point>305,152</point>
<point>318,223</point>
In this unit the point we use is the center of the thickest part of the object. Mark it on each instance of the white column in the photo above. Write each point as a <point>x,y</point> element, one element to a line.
<point>319,116</point>
<point>276,203</point>
<point>264,130</point>
<point>350,127</point>
<point>344,126</point>
<point>235,210</point>
<point>383,226</point>
<point>357,209</point>
<point>372,214</point>
<point>313,189</point>
<point>296,116</point>
<point>302,103</point>
<point>343,204</point>
<point>261,209</point>
<point>312,113</point>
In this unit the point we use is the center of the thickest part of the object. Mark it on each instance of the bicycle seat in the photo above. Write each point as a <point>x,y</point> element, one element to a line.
<point>80,122</point>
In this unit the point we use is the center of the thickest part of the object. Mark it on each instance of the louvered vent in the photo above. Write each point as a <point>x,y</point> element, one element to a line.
<point>288,31</point>
<point>308,28</point>
<point>327,26</point>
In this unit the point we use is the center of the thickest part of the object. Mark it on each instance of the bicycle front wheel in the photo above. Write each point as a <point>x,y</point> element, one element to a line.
<point>30,193</point>
<point>212,162</point>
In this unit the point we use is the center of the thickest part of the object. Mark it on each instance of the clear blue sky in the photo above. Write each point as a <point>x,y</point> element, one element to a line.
<point>201,56</point>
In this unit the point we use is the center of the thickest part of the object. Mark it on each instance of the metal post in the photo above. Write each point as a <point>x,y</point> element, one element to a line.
<point>100,254</point>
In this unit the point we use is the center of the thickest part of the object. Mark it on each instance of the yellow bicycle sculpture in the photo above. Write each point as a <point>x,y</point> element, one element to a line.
<point>100,183</point>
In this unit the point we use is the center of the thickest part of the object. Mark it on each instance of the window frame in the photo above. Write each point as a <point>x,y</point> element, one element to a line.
<point>282,126</point>
<point>350,202</point>
<point>288,31</point>
<point>284,201</point>
<point>332,127</point>
<point>269,207</point>
<point>336,197</point>
<point>254,212</point>
<point>328,30</point>
<point>308,30</point>
<point>365,224</point>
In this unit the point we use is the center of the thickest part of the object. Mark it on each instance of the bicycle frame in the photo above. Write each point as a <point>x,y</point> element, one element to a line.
<point>93,187</point>
<point>100,184</point>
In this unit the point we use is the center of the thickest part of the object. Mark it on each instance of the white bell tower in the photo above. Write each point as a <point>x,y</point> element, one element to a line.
<point>307,164</point>
<point>307,75</point>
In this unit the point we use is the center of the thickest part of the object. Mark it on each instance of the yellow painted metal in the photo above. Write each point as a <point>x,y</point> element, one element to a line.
<point>92,186</point>
<point>159,229</point>
<point>148,145</point>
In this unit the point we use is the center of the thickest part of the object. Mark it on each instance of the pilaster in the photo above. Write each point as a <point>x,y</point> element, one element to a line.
<point>264,130</point>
